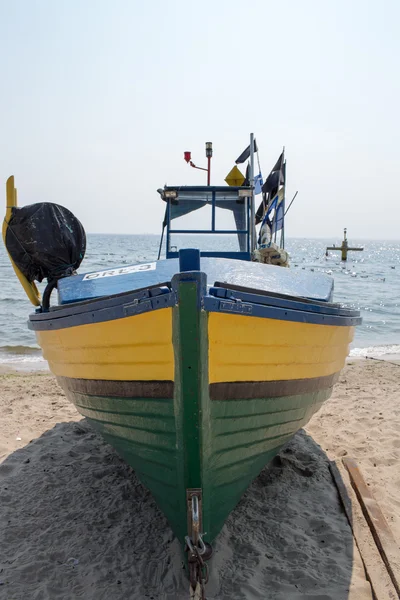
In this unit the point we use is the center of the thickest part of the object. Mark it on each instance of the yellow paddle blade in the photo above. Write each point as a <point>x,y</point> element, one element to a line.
<point>11,201</point>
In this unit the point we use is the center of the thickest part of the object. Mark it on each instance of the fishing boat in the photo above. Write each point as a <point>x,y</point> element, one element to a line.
<point>198,367</point>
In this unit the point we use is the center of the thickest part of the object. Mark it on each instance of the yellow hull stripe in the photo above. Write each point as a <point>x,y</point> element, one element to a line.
<point>137,348</point>
<point>241,348</point>
<point>245,348</point>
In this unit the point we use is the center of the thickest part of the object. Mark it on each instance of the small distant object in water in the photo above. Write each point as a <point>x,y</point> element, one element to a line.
<point>354,274</point>
<point>344,248</point>
<point>364,276</point>
<point>329,272</point>
<point>392,267</point>
<point>303,268</point>
<point>312,270</point>
<point>296,265</point>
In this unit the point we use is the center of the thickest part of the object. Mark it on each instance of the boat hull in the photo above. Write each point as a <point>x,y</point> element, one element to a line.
<point>197,391</point>
<point>245,435</point>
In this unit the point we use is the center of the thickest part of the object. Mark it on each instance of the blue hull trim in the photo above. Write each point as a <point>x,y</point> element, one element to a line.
<point>250,304</point>
<point>212,304</point>
<point>96,312</point>
<point>282,302</point>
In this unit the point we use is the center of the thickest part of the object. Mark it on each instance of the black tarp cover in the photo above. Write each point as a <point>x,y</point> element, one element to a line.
<point>45,240</point>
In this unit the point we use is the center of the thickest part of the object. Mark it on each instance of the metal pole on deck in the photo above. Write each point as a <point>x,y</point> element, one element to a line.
<point>252,209</point>
<point>208,155</point>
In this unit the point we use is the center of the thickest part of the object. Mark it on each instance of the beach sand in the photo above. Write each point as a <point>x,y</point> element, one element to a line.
<point>76,523</point>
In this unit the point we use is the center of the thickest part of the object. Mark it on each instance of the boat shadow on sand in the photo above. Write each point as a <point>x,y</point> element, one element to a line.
<point>77,523</point>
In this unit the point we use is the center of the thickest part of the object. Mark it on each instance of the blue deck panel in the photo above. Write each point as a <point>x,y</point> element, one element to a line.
<point>256,276</point>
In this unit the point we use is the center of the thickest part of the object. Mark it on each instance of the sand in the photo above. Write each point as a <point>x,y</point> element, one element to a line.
<point>362,419</point>
<point>75,522</point>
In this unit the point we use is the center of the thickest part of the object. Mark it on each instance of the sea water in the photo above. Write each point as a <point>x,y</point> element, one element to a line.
<point>369,281</point>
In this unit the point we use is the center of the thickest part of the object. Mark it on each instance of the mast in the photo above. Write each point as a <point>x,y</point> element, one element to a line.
<point>252,210</point>
<point>283,199</point>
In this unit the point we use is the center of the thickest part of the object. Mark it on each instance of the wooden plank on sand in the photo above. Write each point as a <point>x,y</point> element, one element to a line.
<point>380,530</point>
<point>377,575</point>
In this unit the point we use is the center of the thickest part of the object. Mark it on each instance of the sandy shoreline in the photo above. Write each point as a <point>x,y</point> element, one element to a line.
<point>362,419</point>
<point>76,523</point>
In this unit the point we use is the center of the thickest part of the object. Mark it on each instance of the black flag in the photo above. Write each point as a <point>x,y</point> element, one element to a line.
<point>275,178</point>
<point>245,154</point>
<point>278,164</point>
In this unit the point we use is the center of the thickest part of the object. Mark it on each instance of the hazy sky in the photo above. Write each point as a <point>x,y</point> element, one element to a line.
<point>99,99</point>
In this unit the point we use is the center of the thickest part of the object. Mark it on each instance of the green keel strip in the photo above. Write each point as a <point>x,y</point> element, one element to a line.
<point>190,378</point>
<point>189,338</point>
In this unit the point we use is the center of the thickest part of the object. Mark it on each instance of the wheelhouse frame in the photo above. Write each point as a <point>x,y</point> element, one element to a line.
<point>214,196</point>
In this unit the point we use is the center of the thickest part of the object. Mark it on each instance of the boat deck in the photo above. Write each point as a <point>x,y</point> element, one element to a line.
<point>252,275</point>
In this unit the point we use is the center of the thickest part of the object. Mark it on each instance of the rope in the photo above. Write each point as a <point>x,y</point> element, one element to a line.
<point>197,593</point>
<point>382,360</point>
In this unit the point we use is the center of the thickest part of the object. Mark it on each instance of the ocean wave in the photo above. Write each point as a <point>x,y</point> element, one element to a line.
<point>376,351</point>
<point>20,350</point>
<point>22,358</point>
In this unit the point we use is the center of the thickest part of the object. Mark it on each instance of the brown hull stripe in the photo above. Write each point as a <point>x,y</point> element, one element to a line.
<point>121,389</point>
<point>245,390</point>
<point>233,390</point>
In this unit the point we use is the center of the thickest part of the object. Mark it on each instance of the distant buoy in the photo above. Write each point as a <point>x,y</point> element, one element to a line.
<point>344,247</point>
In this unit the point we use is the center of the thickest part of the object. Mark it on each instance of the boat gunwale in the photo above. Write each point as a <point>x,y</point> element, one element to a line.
<point>329,307</point>
<point>252,309</point>
<point>129,307</point>
<point>101,302</point>
<point>135,302</point>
